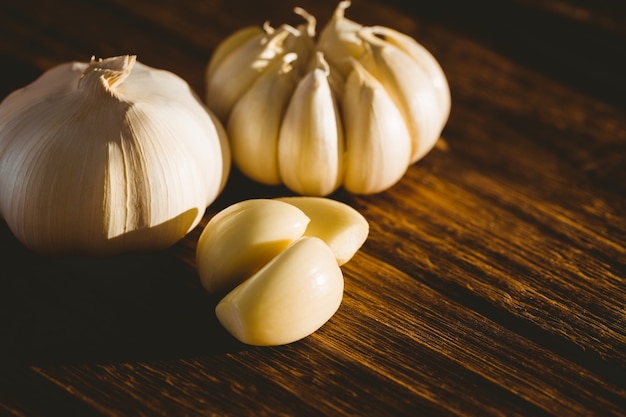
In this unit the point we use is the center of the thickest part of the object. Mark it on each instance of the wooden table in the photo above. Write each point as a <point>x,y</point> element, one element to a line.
<point>493,281</point>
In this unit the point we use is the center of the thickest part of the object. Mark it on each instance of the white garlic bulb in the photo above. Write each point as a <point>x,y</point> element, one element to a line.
<point>107,157</point>
<point>353,108</point>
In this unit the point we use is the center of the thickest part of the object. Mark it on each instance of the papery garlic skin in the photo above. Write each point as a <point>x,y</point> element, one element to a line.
<point>340,226</point>
<point>291,297</point>
<point>107,157</point>
<point>242,238</point>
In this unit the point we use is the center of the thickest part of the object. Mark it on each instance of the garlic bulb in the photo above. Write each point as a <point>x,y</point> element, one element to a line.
<point>107,157</point>
<point>354,107</point>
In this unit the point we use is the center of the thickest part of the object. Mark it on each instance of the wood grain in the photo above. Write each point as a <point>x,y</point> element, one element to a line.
<point>493,282</point>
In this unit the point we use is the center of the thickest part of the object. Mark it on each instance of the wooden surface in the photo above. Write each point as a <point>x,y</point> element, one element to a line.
<point>493,281</point>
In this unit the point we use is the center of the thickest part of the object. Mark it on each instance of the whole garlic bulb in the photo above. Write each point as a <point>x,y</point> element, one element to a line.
<point>107,157</point>
<point>353,108</point>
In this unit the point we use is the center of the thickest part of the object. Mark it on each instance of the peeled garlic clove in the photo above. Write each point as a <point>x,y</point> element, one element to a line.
<point>378,145</point>
<point>411,89</point>
<point>107,157</point>
<point>254,144</point>
<point>340,226</point>
<point>310,144</point>
<point>291,297</point>
<point>242,238</point>
<point>339,40</point>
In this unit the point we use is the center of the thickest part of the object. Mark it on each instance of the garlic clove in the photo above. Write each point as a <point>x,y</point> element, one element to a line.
<point>235,71</point>
<point>310,144</point>
<point>242,238</point>
<point>339,40</point>
<point>424,59</point>
<point>232,43</point>
<point>340,226</point>
<point>291,297</point>
<point>378,145</point>
<point>246,55</point>
<point>410,87</point>
<point>254,144</point>
<point>408,73</point>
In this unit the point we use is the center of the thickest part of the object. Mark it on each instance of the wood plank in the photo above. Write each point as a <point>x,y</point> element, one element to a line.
<point>492,282</point>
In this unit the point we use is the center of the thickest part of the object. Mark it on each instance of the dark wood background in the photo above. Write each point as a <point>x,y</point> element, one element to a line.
<point>493,282</point>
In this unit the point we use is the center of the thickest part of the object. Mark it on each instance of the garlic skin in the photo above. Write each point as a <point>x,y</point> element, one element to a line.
<point>242,238</point>
<point>107,157</point>
<point>321,146</point>
<point>291,297</point>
